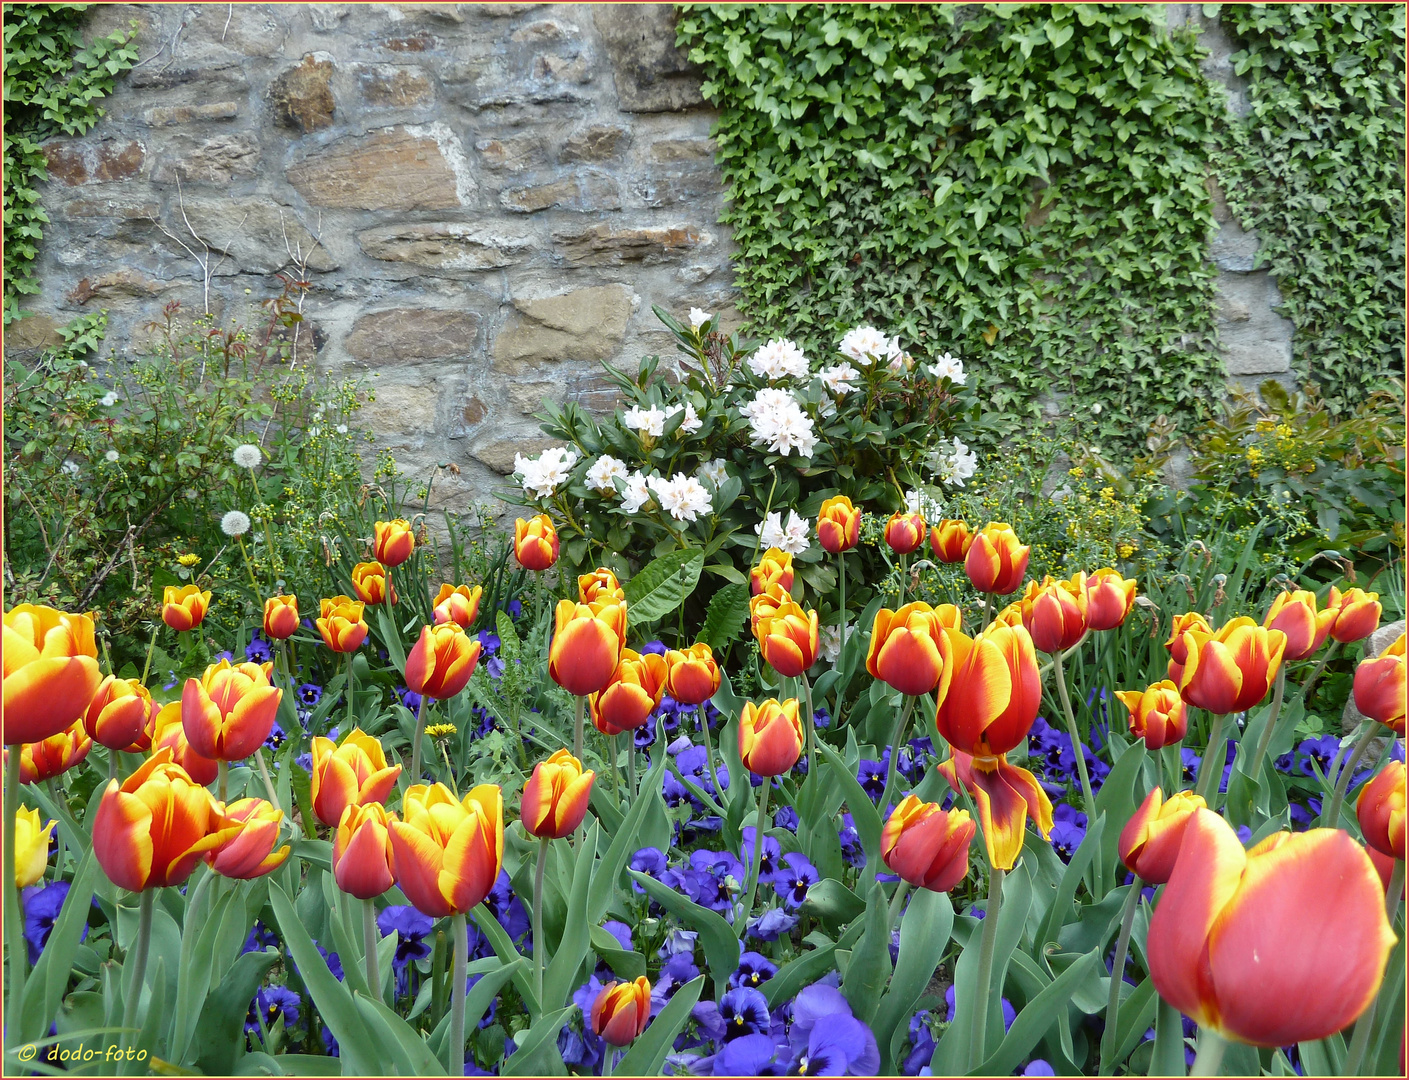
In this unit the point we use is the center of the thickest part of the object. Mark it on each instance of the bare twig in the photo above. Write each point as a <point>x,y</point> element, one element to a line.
<point>97,580</point>
<point>230,15</point>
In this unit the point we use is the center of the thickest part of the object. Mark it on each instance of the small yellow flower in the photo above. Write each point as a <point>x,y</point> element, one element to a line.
<point>441,731</point>
<point>1254,454</point>
<point>188,559</point>
<point>1078,471</point>
<point>1108,494</point>
<point>1125,550</point>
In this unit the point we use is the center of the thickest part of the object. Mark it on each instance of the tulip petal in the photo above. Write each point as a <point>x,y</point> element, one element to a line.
<point>122,838</point>
<point>47,695</point>
<point>417,860</point>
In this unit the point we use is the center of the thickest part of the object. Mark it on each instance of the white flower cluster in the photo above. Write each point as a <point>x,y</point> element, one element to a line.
<point>793,538</point>
<point>682,496</point>
<point>604,470</point>
<point>651,422</point>
<point>779,359</point>
<point>715,472</point>
<point>955,465</point>
<point>698,317</point>
<point>543,475</point>
<point>839,380</point>
<point>777,421</point>
<point>948,367</point>
<point>920,502</point>
<point>829,641</point>
<point>866,345</point>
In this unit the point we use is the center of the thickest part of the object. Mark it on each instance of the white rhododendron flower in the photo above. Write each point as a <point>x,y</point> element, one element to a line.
<point>636,493</point>
<point>778,422</point>
<point>957,465</point>
<point>794,538</point>
<point>649,422</point>
<point>692,423</point>
<point>779,359</point>
<point>682,496</point>
<point>829,642</point>
<point>543,475</point>
<point>698,317</point>
<point>235,523</point>
<point>865,345</point>
<point>840,379</point>
<point>898,358</point>
<point>604,470</point>
<point>920,502</point>
<point>247,456</point>
<point>948,367</point>
<point>714,471</point>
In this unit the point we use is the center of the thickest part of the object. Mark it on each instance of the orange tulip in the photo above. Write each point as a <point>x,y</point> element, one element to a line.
<point>229,711</point>
<point>1380,810</point>
<point>118,712</point>
<point>1231,670</point>
<point>1295,614</point>
<point>353,774</point>
<point>341,624</point>
<point>788,639</point>
<point>905,646</point>
<point>927,846</point>
<point>996,561</point>
<point>601,584</point>
<point>587,643</point>
<point>1109,598</point>
<point>535,542</point>
<point>838,525</point>
<point>447,852</point>
<point>775,568</point>
<point>1239,940</point>
<point>184,608</point>
<point>280,617</point>
<point>990,690</point>
<point>555,797</point>
<point>767,604</point>
<point>441,662</point>
<point>950,541</point>
<point>1150,841</point>
<point>905,532</point>
<point>1054,613</point>
<point>372,583</point>
<point>362,860</point>
<point>770,736</point>
<point>51,671</point>
<point>1379,687</point>
<point>692,676</point>
<point>458,604</point>
<point>1157,714</point>
<point>1357,614</point>
<point>1005,796</point>
<point>1012,615</point>
<point>631,695</point>
<point>168,733</point>
<point>250,852</point>
<point>622,1010</point>
<point>393,542</point>
<point>1178,649</point>
<point>55,755</point>
<point>152,829</point>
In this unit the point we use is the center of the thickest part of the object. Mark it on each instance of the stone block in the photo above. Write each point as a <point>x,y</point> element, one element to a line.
<point>402,408</point>
<point>585,192</point>
<point>599,142</point>
<point>173,115</point>
<point>672,150</point>
<point>404,335</point>
<point>123,284</point>
<point>1253,338</point>
<point>585,324</point>
<point>593,391</point>
<point>72,162</point>
<point>31,335</point>
<point>513,153</point>
<point>446,245</point>
<point>651,74</point>
<point>302,96</point>
<point>498,454</point>
<point>613,245</point>
<point>527,397</point>
<point>394,169</point>
<point>451,14</point>
<point>671,187</point>
<point>259,235</point>
<point>112,209</point>
<point>1231,248</point>
<point>214,161</point>
<point>204,64</point>
<point>391,86</point>
<point>418,42</point>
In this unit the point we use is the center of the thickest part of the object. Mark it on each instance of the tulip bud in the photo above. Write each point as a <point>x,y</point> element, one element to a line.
<point>280,617</point>
<point>622,1011</point>
<point>250,852</point>
<point>441,662</point>
<point>1231,670</point>
<point>950,541</point>
<point>152,829</point>
<point>372,583</point>
<point>1379,687</point>
<point>692,677</point>
<point>927,846</point>
<point>767,604</point>
<point>118,712</point>
<point>1178,649</point>
<point>341,624</point>
<point>989,691</point>
<point>229,711</point>
<point>535,542</point>
<point>53,756</point>
<point>601,584</point>
<point>775,568</point>
<point>353,774</point>
<point>184,608</point>
<point>996,561</point>
<point>586,645</point>
<point>1054,613</point>
<point>1157,714</point>
<point>31,847</point>
<point>905,532</point>
<point>788,639</point>
<point>457,604</point>
<point>447,852</point>
<point>1357,614</point>
<point>1150,841</point>
<point>838,525</point>
<point>1380,810</point>
<point>1109,598</point>
<point>51,671</point>
<point>906,644</point>
<point>1295,614</point>
<point>555,797</point>
<point>770,736</point>
<point>362,859</point>
<point>631,695</point>
<point>393,542</point>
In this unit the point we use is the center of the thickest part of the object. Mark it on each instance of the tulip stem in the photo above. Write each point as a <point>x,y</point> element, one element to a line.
<point>841,609</point>
<point>416,739</point>
<point>371,939</point>
<point>578,701</point>
<point>987,947</point>
<point>1122,946</point>
<point>902,890</point>
<point>808,726</point>
<point>1212,752</point>
<point>52,787</point>
<point>539,945</point>
<point>1265,739</point>
<point>14,925</point>
<point>456,1050</point>
<point>1210,1053</point>
<point>631,766</point>
<point>1310,683</point>
<point>151,647</point>
<point>757,866</point>
<point>607,1060</point>
<point>137,959</point>
<point>900,594</point>
<point>222,782</point>
<point>1078,748</point>
<point>1343,779</point>
<point>112,764</point>
<point>352,715</point>
<point>988,617</point>
<point>1394,895</point>
<point>268,783</point>
<point>901,721</point>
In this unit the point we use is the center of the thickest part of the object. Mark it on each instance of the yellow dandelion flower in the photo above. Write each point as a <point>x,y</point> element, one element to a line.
<point>188,559</point>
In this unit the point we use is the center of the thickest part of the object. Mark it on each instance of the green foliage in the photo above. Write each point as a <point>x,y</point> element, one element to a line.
<point>1022,184</point>
<point>49,90</point>
<point>1317,169</point>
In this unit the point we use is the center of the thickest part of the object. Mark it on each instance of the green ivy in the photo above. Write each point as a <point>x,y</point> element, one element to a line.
<point>1317,169</point>
<point>52,87</point>
<point>1023,185</point>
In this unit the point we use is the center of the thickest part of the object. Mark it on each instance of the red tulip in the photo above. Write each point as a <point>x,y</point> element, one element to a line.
<point>621,1011</point>
<point>1357,614</point>
<point>1054,613</point>
<point>838,525</point>
<point>1379,687</point>
<point>441,662</point>
<point>1231,670</point>
<point>1295,614</point>
<point>907,646</point>
<point>905,532</point>
<point>1157,714</point>
<point>996,561</point>
<point>1150,841</point>
<point>555,797</point>
<point>927,846</point>
<point>1380,810</point>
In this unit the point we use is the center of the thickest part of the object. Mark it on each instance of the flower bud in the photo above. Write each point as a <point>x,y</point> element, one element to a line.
<point>393,542</point>
<point>118,712</point>
<point>770,736</point>
<point>280,617</point>
<point>927,846</point>
<point>535,542</point>
<point>905,532</point>
<point>622,1011</point>
<point>341,624</point>
<point>838,525</point>
<point>555,797</point>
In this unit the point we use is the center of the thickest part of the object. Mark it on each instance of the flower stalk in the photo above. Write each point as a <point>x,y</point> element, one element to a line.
<point>987,948</point>
<point>14,923</point>
<point>1077,747</point>
<point>455,1052</point>
<point>539,945</point>
<point>1122,946</point>
<point>757,866</point>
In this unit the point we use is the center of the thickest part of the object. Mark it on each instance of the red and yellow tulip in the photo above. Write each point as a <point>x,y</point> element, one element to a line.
<point>996,561</point>
<point>31,847</point>
<point>1232,669</point>
<point>280,617</point>
<point>341,624</point>
<point>990,690</point>
<point>692,676</point>
<point>1380,811</point>
<point>770,736</point>
<point>1150,841</point>
<point>950,541</point>
<point>906,646</point>
<point>555,797</point>
<point>1005,796</point>
<point>788,639</point>
<point>1157,714</point>
<point>1109,598</point>
<point>447,852</point>
<point>372,583</point>
<point>362,859</point>
<point>458,604</point>
<point>838,525</point>
<point>621,1011</point>
<point>535,542</point>
<point>250,852</point>
<point>1054,612</point>
<point>775,568</point>
<point>1357,614</point>
<point>632,693</point>
<point>50,671</point>
<point>927,846</point>
<point>354,773</point>
<point>168,733</point>
<point>587,644</point>
<point>1379,686</point>
<point>55,755</point>
<point>229,711</point>
<point>393,541</point>
<point>184,607</point>
<point>1178,648</point>
<point>767,604</point>
<point>601,584</point>
<point>118,712</point>
<point>905,531</point>
<point>441,662</point>
<point>1295,614</point>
